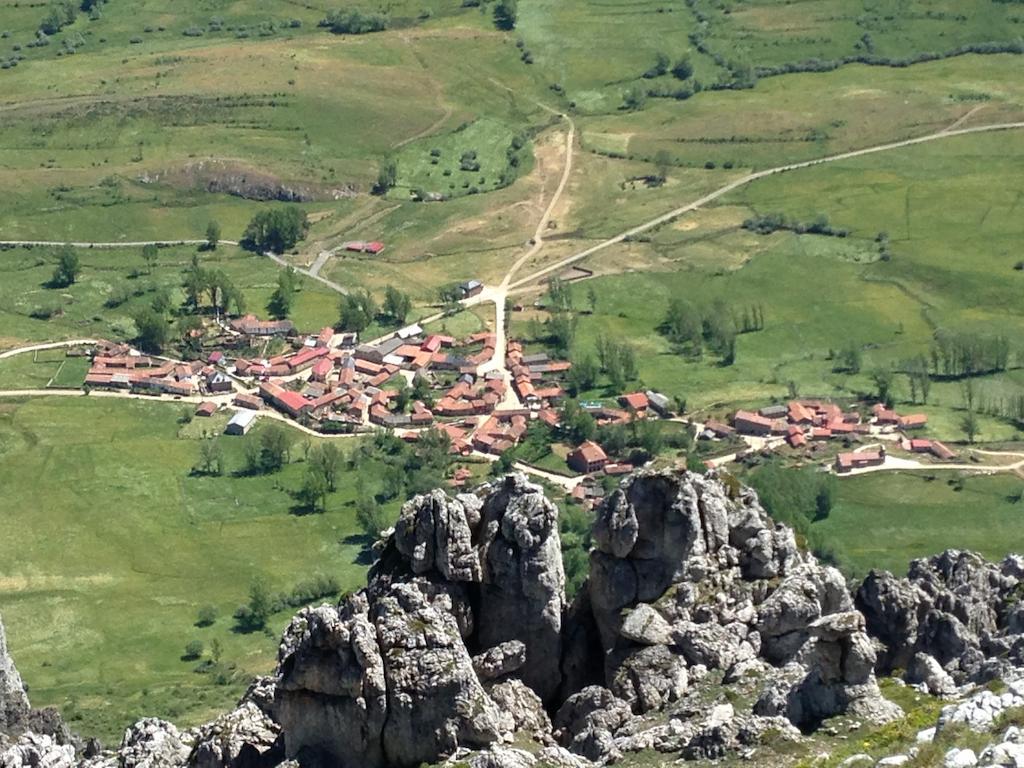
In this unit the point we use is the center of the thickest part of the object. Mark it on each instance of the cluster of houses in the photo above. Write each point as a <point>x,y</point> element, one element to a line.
<point>799,421</point>
<point>118,366</point>
<point>803,422</point>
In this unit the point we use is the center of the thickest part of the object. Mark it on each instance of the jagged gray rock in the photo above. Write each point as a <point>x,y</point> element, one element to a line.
<point>500,660</point>
<point>588,721</point>
<point>434,532</point>
<point>243,738</point>
<point>646,626</point>
<point>33,750</point>
<point>956,607</point>
<point>14,706</point>
<point>153,743</point>
<point>522,596</point>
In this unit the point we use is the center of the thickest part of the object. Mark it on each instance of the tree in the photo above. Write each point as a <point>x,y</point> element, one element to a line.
<point>207,616</point>
<point>189,332</point>
<point>68,268</point>
<point>397,304</point>
<point>150,255</point>
<point>283,297</point>
<point>387,176</point>
<point>883,379</point>
<point>583,375</point>
<point>683,68</point>
<point>661,65</point>
<point>356,311</point>
<point>369,516</point>
<point>506,14</point>
<point>634,99</point>
<point>591,299</point>
<point>825,498</point>
<point>969,424</point>
<point>211,457</point>
<point>314,490</point>
<point>355,22</point>
<point>151,329</point>
<point>260,603</point>
<point>276,230</point>
<point>326,460</point>
<point>662,162</point>
<point>275,447</point>
<point>212,236</point>
<point>193,650</point>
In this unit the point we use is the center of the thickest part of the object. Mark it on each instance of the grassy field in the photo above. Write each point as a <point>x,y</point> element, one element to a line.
<point>802,116</point>
<point>821,293</point>
<point>884,520</point>
<point>85,309</point>
<point>127,545</point>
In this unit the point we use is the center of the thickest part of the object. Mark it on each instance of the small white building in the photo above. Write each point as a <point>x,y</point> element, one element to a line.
<point>240,423</point>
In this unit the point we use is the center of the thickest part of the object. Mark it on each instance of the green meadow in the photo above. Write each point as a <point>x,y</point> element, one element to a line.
<point>115,283</point>
<point>885,520</point>
<point>126,545</point>
<point>820,294</point>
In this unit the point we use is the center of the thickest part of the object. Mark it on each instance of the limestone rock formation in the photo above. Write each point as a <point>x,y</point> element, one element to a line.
<point>14,706</point>
<point>461,644</point>
<point>387,677</point>
<point>956,608</point>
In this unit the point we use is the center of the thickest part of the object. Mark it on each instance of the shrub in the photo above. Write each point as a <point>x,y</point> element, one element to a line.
<point>193,650</point>
<point>207,616</point>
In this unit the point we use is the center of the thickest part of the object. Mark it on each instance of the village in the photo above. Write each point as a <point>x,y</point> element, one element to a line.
<point>411,380</point>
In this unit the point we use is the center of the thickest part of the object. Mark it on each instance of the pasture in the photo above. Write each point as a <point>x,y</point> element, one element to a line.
<point>884,520</point>
<point>126,545</point>
<point>822,293</point>
<point>114,283</point>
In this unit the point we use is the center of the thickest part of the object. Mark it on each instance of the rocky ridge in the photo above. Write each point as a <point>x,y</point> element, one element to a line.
<point>701,628</point>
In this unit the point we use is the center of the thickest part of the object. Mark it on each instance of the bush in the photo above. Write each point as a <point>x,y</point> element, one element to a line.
<point>193,650</point>
<point>355,22</point>
<point>207,616</point>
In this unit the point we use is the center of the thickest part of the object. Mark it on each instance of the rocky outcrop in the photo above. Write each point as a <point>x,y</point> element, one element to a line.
<point>387,678</point>
<point>685,577</point>
<point>14,706</point>
<point>522,594</point>
<point>701,628</point>
<point>955,608</point>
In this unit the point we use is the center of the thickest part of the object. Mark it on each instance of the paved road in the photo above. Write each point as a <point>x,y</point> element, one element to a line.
<point>744,180</point>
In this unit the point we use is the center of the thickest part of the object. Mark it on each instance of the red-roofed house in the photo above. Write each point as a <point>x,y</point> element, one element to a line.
<point>914,421</point>
<point>588,457</point>
<point>636,400</point>
<point>322,369</point>
<point>848,461</point>
<point>750,423</point>
<point>795,436</point>
<point>206,409</point>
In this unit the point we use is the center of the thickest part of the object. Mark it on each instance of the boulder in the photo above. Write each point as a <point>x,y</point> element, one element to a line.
<point>646,626</point>
<point>34,750</point>
<point>500,660</point>
<point>588,721</point>
<point>649,677</point>
<point>524,706</point>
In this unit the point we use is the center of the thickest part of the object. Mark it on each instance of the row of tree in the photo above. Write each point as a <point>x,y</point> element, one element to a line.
<point>691,327</point>
<point>358,309</point>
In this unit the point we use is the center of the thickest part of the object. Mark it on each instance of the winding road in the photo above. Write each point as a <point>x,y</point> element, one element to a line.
<point>945,133</point>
